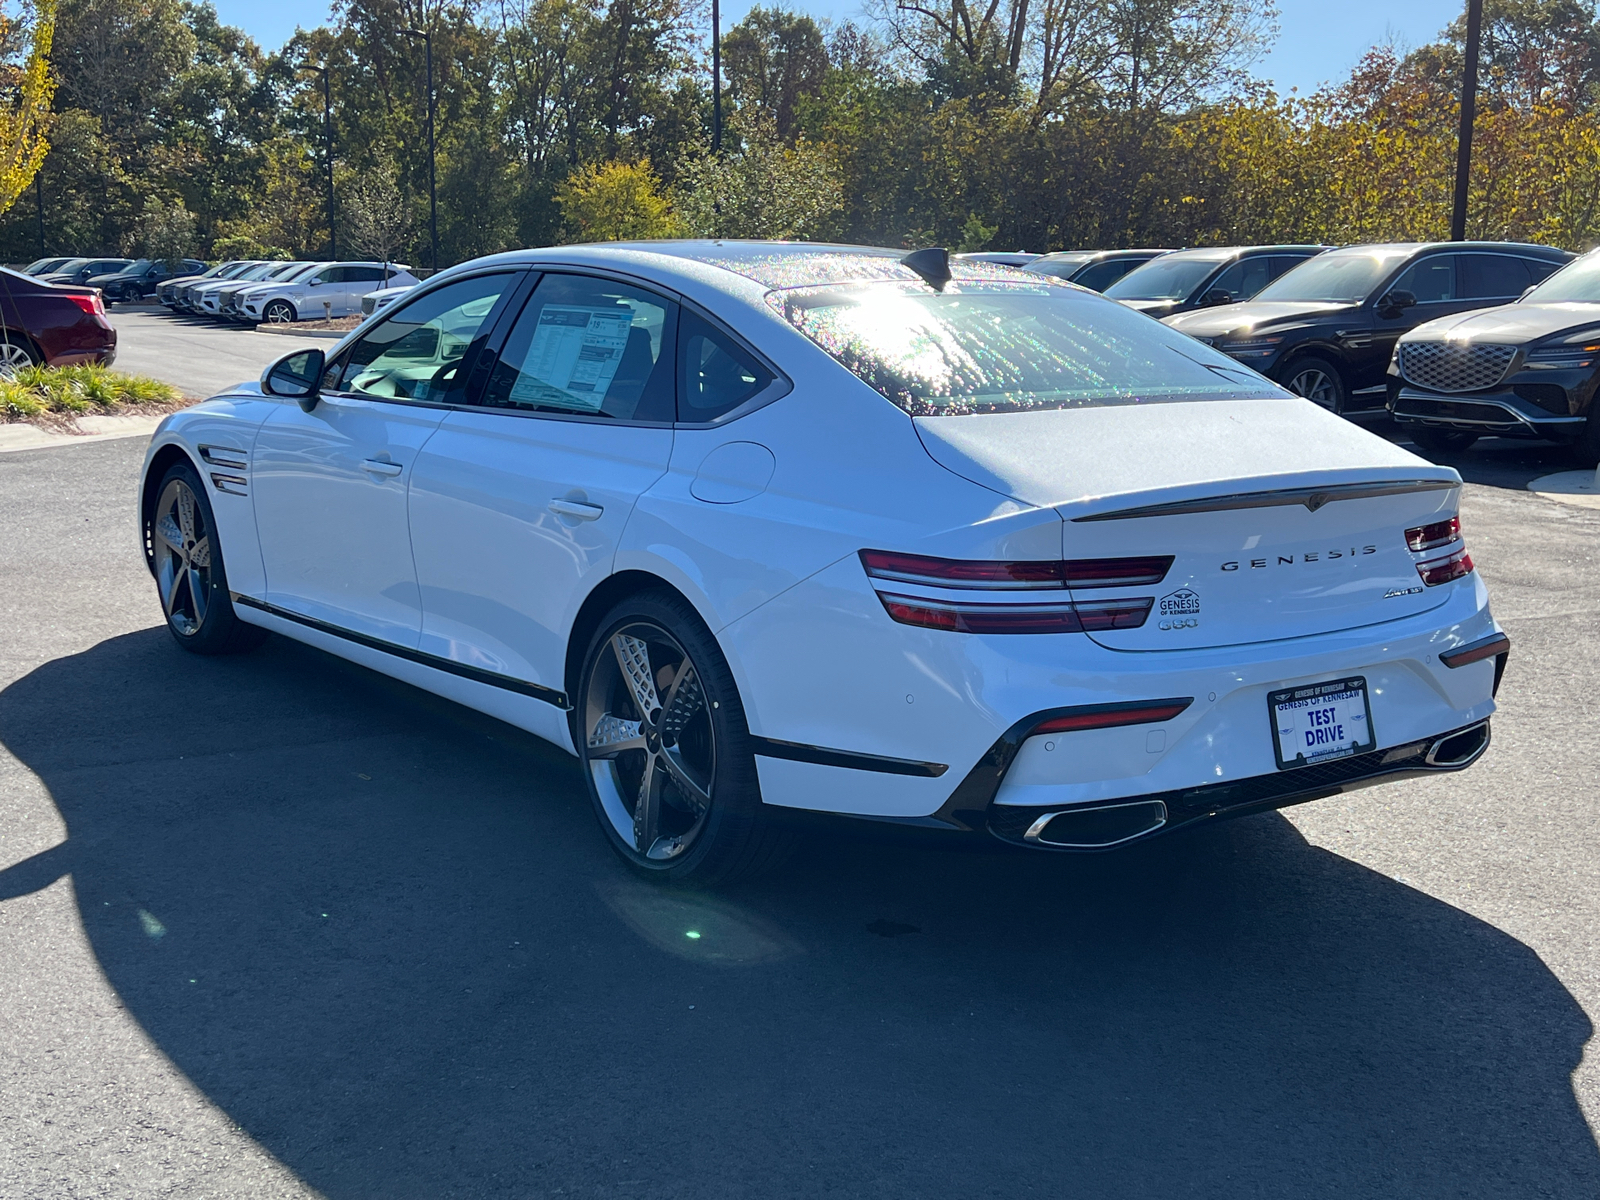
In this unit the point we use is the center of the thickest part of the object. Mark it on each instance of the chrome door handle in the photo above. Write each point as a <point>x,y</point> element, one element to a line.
<point>576,510</point>
<point>379,466</point>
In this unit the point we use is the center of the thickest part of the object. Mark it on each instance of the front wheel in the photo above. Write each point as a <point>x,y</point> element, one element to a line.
<point>181,536</point>
<point>1319,381</point>
<point>665,749</point>
<point>279,312</point>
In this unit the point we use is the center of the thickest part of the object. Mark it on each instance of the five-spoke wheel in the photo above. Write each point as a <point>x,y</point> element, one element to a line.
<point>1318,381</point>
<point>665,748</point>
<point>181,538</point>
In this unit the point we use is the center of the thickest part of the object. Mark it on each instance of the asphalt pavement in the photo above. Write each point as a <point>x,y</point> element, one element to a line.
<point>275,926</point>
<point>198,355</point>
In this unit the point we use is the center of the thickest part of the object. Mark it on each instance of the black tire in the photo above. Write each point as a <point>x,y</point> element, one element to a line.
<point>16,352</point>
<point>1317,375</point>
<point>191,579</point>
<point>279,312</point>
<point>698,724</point>
<point>1441,441</point>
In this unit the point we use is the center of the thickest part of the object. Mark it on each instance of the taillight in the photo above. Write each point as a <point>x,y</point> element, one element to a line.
<point>1106,716</point>
<point>1083,617</point>
<point>1440,533</point>
<point>1443,570</point>
<point>91,304</point>
<point>1037,573</point>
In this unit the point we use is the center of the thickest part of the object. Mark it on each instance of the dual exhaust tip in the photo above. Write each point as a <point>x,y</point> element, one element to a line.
<point>1102,828</point>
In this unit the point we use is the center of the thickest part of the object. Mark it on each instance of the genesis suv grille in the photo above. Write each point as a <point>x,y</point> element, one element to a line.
<point>1454,366</point>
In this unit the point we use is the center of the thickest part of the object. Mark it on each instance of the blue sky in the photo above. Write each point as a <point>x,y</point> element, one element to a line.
<point>1320,40</point>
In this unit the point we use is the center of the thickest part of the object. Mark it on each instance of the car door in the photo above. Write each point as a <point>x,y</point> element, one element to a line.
<point>1243,279</point>
<point>331,484</point>
<point>1491,279</point>
<point>520,498</point>
<point>1433,280</point>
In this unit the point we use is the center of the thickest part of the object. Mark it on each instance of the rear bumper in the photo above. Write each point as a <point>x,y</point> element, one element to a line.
<point>1501,413</point>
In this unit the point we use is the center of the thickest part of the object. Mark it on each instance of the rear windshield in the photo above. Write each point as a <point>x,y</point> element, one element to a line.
<point>1338,277</point>
<point>997,346</point>
<point>1170,277</point>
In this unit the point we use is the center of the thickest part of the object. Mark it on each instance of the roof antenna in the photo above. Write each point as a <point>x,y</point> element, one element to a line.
<point>932,263</point>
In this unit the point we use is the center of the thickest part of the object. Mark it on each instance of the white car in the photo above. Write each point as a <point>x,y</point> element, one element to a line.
<point>334,290</point>
<point>752,527</point>
<point>381,299</point>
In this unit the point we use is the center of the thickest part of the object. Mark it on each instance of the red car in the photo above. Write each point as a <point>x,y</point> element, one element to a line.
<point>54,325</point>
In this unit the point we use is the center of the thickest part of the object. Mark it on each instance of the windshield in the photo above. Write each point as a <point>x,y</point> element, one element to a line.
<point>294,270</point>
<point>1060,266</point>
<point>1576,283</point>
<point>998,346</point>
<point>1338,277</point>
<point>72,264</point>
<point>1170,277</point>
<point>138,264</point>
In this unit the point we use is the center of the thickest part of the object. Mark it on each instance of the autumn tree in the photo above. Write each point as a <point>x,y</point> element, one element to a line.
<point>25,42</point>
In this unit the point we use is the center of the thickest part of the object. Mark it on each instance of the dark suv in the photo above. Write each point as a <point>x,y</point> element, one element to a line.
<point>1188,279</point>
<point>141,278</point>
<point>1325,330</point>
<point>1094,269</point>
<point>1527,369</point>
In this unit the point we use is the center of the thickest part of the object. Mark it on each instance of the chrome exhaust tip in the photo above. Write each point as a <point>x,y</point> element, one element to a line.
<point>1459,748</point>
<point>1097,828</point>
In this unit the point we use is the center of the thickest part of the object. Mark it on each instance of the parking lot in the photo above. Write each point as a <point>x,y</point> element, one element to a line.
<point>274,925</point>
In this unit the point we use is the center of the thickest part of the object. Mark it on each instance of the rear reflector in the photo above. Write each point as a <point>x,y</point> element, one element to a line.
<point>1037,573</point>
<point>1087,617</point>
<point>1440,533</point>
<point>1106,716</point>
<point>1443,570</point>
<point>1490,647</point>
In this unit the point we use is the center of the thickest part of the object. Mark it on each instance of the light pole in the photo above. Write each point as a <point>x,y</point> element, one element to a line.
<point>716,77</point>
<point>433,187</point>
<point>1469,112</point>
<point>327,150</point>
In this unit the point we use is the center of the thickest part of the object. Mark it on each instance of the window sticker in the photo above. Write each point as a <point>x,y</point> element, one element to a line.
<point>575,354</point>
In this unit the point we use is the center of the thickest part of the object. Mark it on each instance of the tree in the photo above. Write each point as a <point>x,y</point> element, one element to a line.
<point>377,220</point>
<point>615,202</point>
<point>166,231</point>
<point>774,59</point>
<point>29,86</point>
<point>764,189</point>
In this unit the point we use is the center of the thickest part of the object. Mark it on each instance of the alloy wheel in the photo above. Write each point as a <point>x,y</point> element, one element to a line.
<point>13,358</point>
<point>1317,386</point>
<point>183,558</point>
<point>279,314</point>
<point>650,743</point>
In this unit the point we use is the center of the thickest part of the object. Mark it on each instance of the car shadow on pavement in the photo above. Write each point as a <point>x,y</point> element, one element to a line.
<point>383,935</point>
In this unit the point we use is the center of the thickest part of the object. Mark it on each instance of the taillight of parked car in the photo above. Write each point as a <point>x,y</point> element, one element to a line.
<point>91,304</point>
<point>961,617</point>
<point>1437,536</point>
<point>1036,573</point>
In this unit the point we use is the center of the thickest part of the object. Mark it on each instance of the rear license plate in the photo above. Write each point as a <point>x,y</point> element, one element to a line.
<point>1321,722</point>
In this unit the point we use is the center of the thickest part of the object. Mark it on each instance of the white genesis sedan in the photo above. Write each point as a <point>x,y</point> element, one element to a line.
<point>754,527</point>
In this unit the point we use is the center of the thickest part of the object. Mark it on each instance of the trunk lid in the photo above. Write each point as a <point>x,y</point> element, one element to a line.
<point>1282,520</point>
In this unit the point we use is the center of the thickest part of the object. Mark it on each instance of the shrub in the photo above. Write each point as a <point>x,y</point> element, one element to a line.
<point>34,391</point>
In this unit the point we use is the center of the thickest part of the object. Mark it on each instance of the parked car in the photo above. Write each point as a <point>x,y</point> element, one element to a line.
<point>900,553</point>
<point>167,292</point>
<point>231,300</point>
<point>335,290</point>
<point>1002,258</point>
<point>1190,279</point>
<point>187,296</point>
<point>140,278</point>
<point>381,299</point>
<point>43,324</point>
<point>1094,269</point>
<point>205,298</point>
<point>43,266</point>
<point>79,271</point>
<point>1327,329</point>
<point>1528,369</point>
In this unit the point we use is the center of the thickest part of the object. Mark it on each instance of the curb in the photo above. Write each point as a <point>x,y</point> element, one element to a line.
<point>19,435</point>
<point>332,335</point>
<point>1581,488</point>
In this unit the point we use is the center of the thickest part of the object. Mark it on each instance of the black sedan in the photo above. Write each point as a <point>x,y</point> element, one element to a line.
<point>1528,369</point>
<point>1205,278</point>
<point>141,278</point>
<point>1094,269</point>
<point>1326,330</point>
<point>79,271</point>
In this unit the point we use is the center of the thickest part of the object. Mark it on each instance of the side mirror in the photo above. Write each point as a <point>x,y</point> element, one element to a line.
<point>314,282</point>
<point>1216,296</point>
<point>297,376</point>
<point>1396,303</point>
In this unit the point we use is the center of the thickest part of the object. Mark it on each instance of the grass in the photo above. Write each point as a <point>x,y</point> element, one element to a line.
<point>73,391</point>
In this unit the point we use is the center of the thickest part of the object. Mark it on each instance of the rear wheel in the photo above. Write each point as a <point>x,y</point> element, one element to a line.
<point>279,312</point>
<point>190,578</point>
<point>665,749</point>
<point>15,354</point>
<point>1441,441</point>
<point>1319,381</point>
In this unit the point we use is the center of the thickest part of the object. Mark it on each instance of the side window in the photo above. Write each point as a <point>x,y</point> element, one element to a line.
<point>1103,274</point>
<point>715,373</point>
<point>327,275</point>
<point>1242,280</point>
<point>1492,276</point>
<point>1540,269</point>
<point>588,346</point>
<point>1431,280</point>
<point>416,351</point>
<point>363,274</point>
<point>1282,264</point>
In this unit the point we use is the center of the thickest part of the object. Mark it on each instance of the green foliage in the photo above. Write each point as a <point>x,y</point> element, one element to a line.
<point>166,231</point>
<point>975,235</point>
<point>614,202</point>
<point>36,391</point>
<point>763,189</point>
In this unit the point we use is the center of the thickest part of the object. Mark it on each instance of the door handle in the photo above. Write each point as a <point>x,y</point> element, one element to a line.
<point>379,466</point>
<point>576,510</point>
